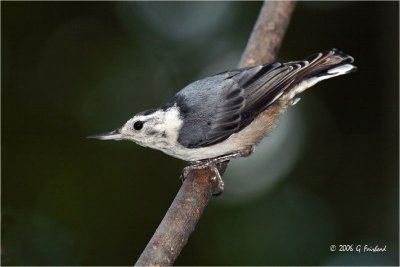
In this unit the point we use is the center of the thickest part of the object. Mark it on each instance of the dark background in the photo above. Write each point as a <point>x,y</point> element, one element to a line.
<point>328,175</point>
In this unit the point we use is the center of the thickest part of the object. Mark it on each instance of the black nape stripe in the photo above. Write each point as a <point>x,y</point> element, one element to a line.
<point>147,112</point>
<point>179,100</point>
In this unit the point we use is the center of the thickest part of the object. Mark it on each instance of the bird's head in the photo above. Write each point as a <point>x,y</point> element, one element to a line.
<point>153,128</point>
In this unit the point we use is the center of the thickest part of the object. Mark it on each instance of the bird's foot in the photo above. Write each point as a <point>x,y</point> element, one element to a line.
<point>212,163</point>
<point>217,190</point>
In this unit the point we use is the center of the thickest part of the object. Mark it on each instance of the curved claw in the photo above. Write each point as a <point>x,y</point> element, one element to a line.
<point>217,190</point>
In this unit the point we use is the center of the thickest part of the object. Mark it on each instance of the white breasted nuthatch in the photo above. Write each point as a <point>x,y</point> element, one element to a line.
<point>225,115</point>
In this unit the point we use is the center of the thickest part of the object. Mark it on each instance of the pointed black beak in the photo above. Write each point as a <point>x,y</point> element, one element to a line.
<point>113,135</point>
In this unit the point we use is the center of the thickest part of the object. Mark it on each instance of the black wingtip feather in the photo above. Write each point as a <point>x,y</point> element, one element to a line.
<point>263,70</point>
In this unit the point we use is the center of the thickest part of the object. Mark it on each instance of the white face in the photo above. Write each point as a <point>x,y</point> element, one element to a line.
<point>158,130</point>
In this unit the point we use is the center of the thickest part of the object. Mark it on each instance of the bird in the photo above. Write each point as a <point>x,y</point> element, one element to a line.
<point>224,116</point>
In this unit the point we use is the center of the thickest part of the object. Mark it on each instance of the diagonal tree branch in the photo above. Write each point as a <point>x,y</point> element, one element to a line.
<point>181,218</point>
<point>268,32</point>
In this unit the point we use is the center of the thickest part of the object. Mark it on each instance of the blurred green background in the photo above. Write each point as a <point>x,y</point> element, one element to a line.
<point>328,175</point>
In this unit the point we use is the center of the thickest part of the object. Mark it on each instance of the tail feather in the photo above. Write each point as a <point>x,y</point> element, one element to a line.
<point>329,61</point>
<point>318,67</point>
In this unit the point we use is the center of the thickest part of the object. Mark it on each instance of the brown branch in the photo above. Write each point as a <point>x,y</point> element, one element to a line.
<point>181,218</point>
<point>268,32</point>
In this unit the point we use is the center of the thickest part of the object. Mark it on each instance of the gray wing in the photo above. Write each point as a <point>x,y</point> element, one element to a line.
<point>218,106</point>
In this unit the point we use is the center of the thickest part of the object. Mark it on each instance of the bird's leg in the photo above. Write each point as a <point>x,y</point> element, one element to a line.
<point>238,154</point>
<point>212,163</point>
<point>201,164</point>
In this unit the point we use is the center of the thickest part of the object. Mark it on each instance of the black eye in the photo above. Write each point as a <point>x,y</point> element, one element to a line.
<point>138,125</point>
